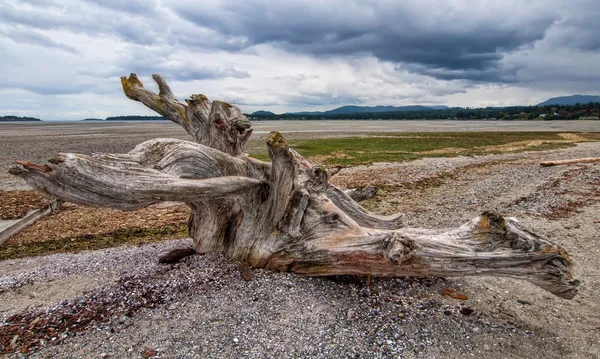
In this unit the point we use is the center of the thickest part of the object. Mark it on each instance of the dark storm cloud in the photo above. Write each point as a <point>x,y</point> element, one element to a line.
<point>462,44</point>
<point>581,31</point>
<point>305,53</point>
<point>131,22</point>
<point>460,40</point>
<point>503,74</point>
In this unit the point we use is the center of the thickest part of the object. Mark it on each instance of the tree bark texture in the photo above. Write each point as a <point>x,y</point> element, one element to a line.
<point>285,215</point>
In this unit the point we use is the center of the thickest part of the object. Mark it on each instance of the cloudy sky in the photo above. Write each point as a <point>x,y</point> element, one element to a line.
<point>61,59</point>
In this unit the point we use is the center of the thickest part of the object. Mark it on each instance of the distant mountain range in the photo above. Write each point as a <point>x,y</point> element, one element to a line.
<point>17,119</point>
<point>263,113</point>
<point>570,100</point>
<point>346,110</point>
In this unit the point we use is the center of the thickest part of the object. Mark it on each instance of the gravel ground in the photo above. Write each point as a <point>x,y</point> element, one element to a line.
<point>202,308</point>
<point>120,303</point>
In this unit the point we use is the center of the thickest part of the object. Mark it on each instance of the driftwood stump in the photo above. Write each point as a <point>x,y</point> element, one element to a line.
<point>285,215</point>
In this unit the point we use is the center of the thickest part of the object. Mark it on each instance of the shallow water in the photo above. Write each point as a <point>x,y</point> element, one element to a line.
<point>261,127</point>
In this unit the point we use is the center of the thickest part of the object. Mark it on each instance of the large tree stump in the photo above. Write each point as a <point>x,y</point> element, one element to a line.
<point>285,215</point>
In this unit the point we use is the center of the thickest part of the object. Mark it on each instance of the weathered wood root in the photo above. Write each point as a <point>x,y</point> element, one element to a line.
<point>489,245</point>
<point>286,215</point>
<point>363,193</point>
<point>216,124</point>
<point>292,219</point>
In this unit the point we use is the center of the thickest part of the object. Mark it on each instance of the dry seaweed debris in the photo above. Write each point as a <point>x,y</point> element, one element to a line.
<point>75,228</point>
<point>562,196</point>
<point>16,204</point>
<point>74,221</point>
<point>120,237</point>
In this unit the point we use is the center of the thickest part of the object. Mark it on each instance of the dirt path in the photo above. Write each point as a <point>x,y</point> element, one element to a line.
<point>201,307</point>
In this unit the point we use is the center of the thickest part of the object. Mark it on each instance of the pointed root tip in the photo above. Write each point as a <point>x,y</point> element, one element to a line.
<point>129,83</point>
<point>24,167</point>
<point>491,221</point>
<point>17,170</point>
<point>58,159</point>
<point>275,140</point>
<point>557,273</point>
<point>568,290</point>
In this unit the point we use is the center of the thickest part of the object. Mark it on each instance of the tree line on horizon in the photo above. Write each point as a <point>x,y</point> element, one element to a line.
<point>578,111</point>
<point>10,118</point>
<point>548,112</point>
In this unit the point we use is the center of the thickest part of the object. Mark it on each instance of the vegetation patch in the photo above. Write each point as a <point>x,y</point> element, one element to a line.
<point>591,135</point>
<point>399,147</point>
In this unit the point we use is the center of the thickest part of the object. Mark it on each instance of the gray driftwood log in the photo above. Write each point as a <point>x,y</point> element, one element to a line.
<point>573,161</point>
<point>285,215</point>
